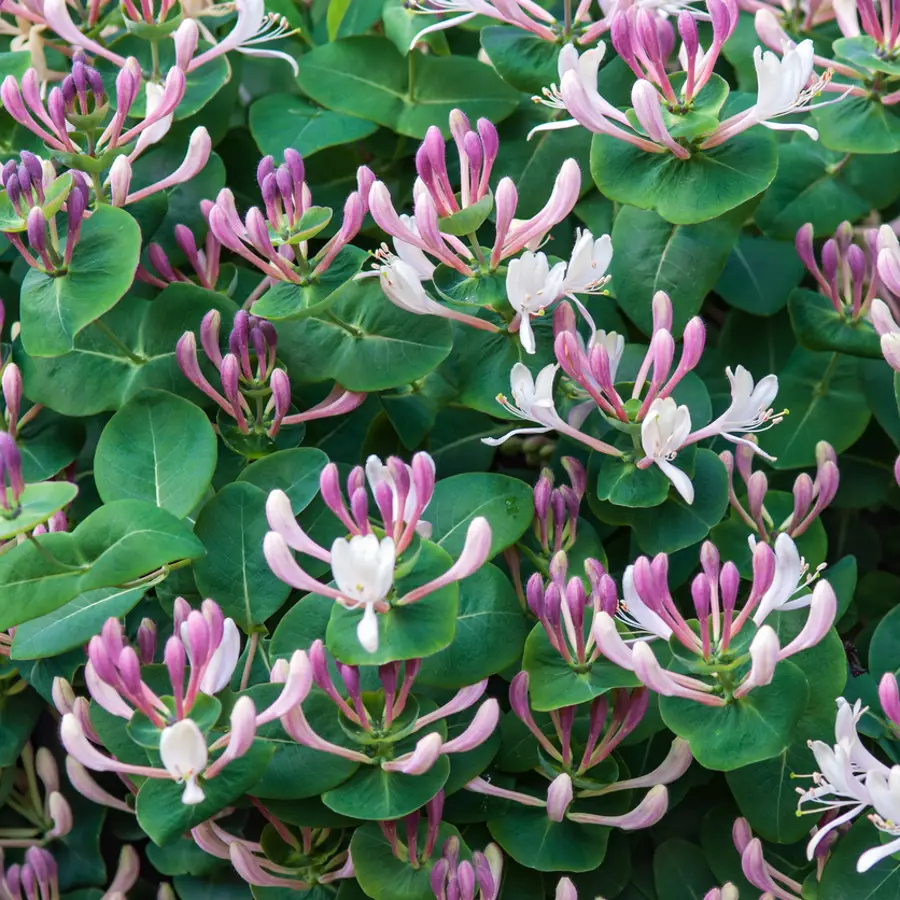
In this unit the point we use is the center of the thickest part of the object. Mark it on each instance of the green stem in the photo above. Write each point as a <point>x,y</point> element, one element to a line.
<point>248,665</point>
<point>113,338</point>
<point>342,324</point>
<point>412,75</point>
<point>154,56</point>
<point>821,389</point>
<point>99,194</point>
<point>157,576</point>
<point>34,793</point>
<point>51,558</point>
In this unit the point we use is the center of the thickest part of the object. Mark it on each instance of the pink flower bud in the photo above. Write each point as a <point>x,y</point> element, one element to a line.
<point>146,637</point>
<point>822,612</point>
<point>662,311</point>
<point>120,181</point>
<point>281,395</point>
<point>565,890</point>
<point>890,348</point>
<point>764,649</point>
<point>559,797</point>
<point>480,729</point>
<point>12,394</point>
<point>889,695</point>
<point>196,638</point>
<point>230,373</point>
<point>186,38</point>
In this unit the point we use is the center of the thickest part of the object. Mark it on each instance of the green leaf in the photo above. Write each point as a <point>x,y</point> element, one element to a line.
<point>98,375</point>
<point>411,631</point>
<point>821,391</point>
<point>470,219</point>
<point>280,121</point>
<point>375,345</point>
<point>18,715</point>
<point>523,60</point>
<point>295,772</point>
<point>810,187</point>
<point>160,448</point>
<point>36,504</point>
<point>490,633</point>
<point>114,545</point>
<point>73,624</point>
<point>756,727</point>
<point>373,793</point>
<point>54,310</point>
<point>507,504</point>
<point>841,881</point>
<point>760,274</point>
<point>819,326</point>
<point>48,444</point>
<point>285,300</point>
<point>864,53</point>
<point>622,483</point>
<point>680,871</point>
<point>164,818</point>
<point>383,876</point>
<point>367,77</point>
<point>858,125</point>
<point>766,792</point>
<point>653,255</point>
<point>296,472</point>
<point>234,571</point>
<point>553,683</point>
<point>686,192</point>
<point>883,648</point>
<point>533,840</point>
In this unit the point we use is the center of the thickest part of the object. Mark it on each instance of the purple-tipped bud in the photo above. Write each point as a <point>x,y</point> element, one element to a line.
<point>294,161</point>
<point>542,490</point>
<point>694,341</point>
<point>559,566</point>
<point>730,582</point>
<point>281,395</point>
<point>687,28</point>
<point>856,260</point>
<point>196,636</point>
<point>803,496</point>
<point>804,244</point>
<point>830,259</point>
<point>209,335</point>
<point>12,394</point>
<point>36,227</point>
<point>465,880</point>
<point>11,465</point>
<point>763,568</point>
<point>701,593</point>
<point>534,594</point>
<point>439,879</point>
<point>756,494</point>
<point>577,475</point>
<point>265,167</point>
<point>230,372</point>
<point>146,637</point>
<point>609,597</point>
<point>174,658</point>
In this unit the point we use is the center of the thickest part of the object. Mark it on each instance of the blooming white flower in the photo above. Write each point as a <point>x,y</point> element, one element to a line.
<point>782,85</point>
<point>363,570</point>
<point>789,570</point>
<point>531,286</point>
<point>884,792</point>
<point>182,749</point>
<point>642,620</point>
<point>663,433</point>
<point>402,285</point>
<point>532,400</point>
<point>586,272</point>
<point>412,255</point>
<point>154,94</point>
<point>750,410</point>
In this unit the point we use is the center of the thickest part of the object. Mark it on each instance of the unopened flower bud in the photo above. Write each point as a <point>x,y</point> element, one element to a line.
<point>559,797</point>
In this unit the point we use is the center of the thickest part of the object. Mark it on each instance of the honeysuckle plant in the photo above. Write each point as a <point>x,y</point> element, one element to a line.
<point>448,450</point>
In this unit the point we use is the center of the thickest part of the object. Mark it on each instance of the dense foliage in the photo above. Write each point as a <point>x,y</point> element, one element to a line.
<point>448,450</point>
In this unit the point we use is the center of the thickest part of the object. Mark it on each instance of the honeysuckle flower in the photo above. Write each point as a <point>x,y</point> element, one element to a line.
<point>363,570</point>
<point>565,890</point>
<point>254,26</point>
<point>12,483</point>
<point>556,508</point>
<point>647,813</point>
<point>840,785</point>
<point>790,578</point>
<point>664,432</point>
<point>784,87</point>
<point>533,401</point>
<point>452,877</point>
<point>811,497</point>
<point>525,14</point>
<point>531,286</point>
<point>182,749</point>
<point>205,262</point>
<point>406,504</point>
<point>884,792</point>
<point>889,696</point>
<point>749,412</point>
<point>650,612</point>
<point>363,566</point>
<point>756,870</point>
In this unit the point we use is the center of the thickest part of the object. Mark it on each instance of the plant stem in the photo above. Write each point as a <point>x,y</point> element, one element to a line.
<point>412,75</point>
<point>99,195</point>
<point>342,324</point>
<point>111,335</point>
<point>154,55</point>
<point>248,665</point>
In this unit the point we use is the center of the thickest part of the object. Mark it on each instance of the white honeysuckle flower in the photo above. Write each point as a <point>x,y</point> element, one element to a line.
<point>532,401</point>
<point>586,272</point>
<point>158,130</point>
<point>643,621</point>
<point>782,85</point>
<point>182,749</point>
<point>663,433</point>
<point>749,412</point>
<point>363,570</point>
<point>224,660</point>
<point>614,344</point>
<point>402,285</point>
<point>531,286</point>
<point>884,791</point>
<point>789,572</point>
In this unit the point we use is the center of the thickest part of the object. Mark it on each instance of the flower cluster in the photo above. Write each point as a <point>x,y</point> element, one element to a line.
<point>364,566</point>
<point>659,426</point>
<point>714,638</point>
